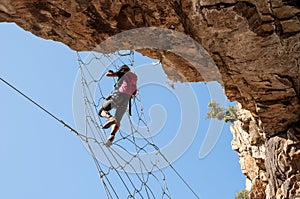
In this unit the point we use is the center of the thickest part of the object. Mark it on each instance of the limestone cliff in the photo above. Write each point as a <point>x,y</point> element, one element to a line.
<point>270,165</point>
<point>255,44</point>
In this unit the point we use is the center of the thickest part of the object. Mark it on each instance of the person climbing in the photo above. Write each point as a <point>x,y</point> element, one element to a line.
<point>124,89</point>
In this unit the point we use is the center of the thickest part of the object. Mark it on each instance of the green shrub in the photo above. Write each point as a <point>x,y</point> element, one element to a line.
<point>243,194</point>
<point>220,113</point>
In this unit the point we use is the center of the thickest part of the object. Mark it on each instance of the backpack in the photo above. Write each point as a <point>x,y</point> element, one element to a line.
<point>128,84</point>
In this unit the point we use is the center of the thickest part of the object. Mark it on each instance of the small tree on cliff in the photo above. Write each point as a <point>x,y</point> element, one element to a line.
<point>243,194</point>
<point>220,113</point>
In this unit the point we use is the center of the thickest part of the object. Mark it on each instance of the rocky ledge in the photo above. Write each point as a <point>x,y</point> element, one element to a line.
<point>255,45</point>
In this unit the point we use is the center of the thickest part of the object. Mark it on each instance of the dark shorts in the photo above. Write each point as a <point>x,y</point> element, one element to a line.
<point>119,101</point>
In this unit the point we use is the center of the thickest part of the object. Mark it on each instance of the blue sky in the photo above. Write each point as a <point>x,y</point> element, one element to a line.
<point>42,159</point>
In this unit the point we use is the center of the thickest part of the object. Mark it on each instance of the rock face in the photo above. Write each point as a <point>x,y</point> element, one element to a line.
<point>255,45</point>
<point>270,165</point>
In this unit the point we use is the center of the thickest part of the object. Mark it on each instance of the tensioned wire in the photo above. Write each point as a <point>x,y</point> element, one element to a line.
<point>131,138</point>
<point>140,178</point>
<point>128,180</point>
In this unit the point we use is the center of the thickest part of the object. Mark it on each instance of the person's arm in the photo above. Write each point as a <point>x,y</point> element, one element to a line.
<point>111,73</point>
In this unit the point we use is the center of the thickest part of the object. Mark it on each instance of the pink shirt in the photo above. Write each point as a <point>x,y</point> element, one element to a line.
<point>128,85</point>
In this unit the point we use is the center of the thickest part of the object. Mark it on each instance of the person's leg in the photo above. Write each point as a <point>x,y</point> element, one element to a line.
<point>120,111</point>
<point>116,125</point>
<point>104,112</point>
<point>105,108</point>
<point>111,138</point>
<point>115,128</point>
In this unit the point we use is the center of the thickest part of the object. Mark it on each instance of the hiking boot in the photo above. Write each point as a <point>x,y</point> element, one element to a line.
<point>109,122</point>
<point>110,140</point>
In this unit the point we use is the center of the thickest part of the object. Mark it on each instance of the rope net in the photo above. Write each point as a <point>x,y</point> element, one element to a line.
<point>131,167</point>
